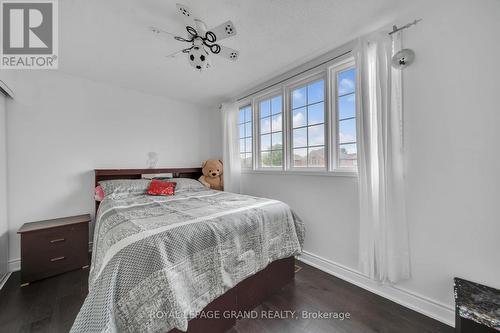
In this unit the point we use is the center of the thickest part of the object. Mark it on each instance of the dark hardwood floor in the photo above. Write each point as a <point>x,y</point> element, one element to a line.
<point>51,305</point>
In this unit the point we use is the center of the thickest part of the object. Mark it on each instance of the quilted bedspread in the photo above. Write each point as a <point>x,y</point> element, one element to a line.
<point>174,255</point>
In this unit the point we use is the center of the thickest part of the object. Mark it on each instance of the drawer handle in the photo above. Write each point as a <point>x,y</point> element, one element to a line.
<point>57,240</point>
<point>57,259</point>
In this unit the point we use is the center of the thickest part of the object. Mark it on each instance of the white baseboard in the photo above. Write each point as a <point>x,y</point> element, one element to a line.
<point>406,298</point>
<point>14,265</point>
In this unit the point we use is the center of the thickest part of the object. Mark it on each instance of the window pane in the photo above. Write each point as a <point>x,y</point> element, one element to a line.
<point>242,159</point>
<point>316,135</point>
<point>248,145</point>
<point>348,151</point>
<point>348,155</point>
<point>348,163</point>
<point>277,158</point>
<point>248,160</point>
<point>300,157</point>
<point>242,131</point>
<point>346,81</point>
<point>299,117</point>
<point>242,145</point>
<point>277,140</point>
<point>265,142</point>
<point>265,108</point>
<point>316,157</point>
<point>242,116</point>
<point>347,106</point>
<point>316,114</point>
<point>265,125</point>
<point>316,92</point>
<point>248,113</point>
<point>265,158</point>
<point>276,105</point>
<point>248,129</point>
<point>298,98</point>
<point>276,123</point>
<point>300,137</point>
<point>347,131</point>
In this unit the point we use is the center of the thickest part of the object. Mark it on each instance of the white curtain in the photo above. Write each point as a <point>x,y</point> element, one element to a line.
<point>383,242</point>
<point>231,152</point>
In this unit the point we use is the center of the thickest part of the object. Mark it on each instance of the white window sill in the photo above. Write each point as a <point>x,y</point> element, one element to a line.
<point>336,173</point>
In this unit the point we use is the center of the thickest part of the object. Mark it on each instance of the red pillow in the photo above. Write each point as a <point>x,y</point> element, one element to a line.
<point>159,187</point>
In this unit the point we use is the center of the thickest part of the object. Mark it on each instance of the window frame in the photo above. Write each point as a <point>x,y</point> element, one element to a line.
<point>327,72</point>
<point>240,107</point>
<point>334,140</point>
<point>303,82</point>
<point>269,94</point>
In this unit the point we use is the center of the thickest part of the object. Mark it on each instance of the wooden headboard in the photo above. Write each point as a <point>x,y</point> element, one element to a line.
<point>108,174</point>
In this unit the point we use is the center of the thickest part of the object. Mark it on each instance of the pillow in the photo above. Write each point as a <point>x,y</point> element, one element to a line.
<point>187,184</point>
<point>124,187</point>
<point>159,187</point>
<point>99,193</point>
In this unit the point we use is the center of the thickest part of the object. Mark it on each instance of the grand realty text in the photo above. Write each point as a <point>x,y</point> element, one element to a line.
<point>253,314</point>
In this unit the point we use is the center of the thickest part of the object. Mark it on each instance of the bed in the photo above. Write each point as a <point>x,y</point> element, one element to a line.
<point>189,262</point>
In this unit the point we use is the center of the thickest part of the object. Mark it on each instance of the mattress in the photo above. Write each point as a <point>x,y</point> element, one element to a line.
<point>158,261</point>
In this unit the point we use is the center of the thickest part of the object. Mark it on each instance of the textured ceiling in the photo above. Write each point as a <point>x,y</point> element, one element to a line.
<point>109,40</point>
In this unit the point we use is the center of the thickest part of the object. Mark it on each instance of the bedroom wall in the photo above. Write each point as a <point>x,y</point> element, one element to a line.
<point>4,236</point>
<point>61,127</point>
<point>453,186</point>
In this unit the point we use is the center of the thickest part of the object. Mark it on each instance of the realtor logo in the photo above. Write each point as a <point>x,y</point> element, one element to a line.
<point>29,34</point>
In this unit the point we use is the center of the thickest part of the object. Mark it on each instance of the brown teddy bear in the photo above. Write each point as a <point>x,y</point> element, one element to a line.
<point>212,175</point>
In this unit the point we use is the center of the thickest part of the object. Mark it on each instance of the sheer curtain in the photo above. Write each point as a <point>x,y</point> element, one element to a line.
<point>231,147</point>
<point>383,247</point>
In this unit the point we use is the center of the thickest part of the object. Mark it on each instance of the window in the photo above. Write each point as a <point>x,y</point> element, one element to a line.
<point>245,125</point>
<point>346,115</point>
<point>271,132</point>
<point>308,125</point>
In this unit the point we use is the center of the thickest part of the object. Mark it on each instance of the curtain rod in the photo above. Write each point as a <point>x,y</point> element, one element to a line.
<point>396,29</point>
<point>294,75</point>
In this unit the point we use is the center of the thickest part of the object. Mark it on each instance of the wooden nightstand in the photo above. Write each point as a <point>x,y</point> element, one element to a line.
<point>53,247</point>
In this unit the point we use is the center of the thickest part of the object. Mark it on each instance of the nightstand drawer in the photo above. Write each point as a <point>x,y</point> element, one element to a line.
<point>53,250</point>
<point>45,265</point>
<point>55,240</point>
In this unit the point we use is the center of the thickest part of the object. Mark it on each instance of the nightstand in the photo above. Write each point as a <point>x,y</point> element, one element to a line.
<point>53,247</point>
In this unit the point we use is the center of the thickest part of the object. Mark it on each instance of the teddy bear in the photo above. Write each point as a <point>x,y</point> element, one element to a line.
<point>212,175</point>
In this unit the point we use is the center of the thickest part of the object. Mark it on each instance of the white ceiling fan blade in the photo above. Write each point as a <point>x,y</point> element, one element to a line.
<point>224,30</point>
<point>159,31</point>
<point>229,53</point>
<point>174,54</point>
<point>186,14</point>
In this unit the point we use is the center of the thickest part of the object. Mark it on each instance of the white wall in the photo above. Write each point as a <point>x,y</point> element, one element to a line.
<point>453,162</point>
<point>4,237</point>
<point>60,128</point>
<point>327,205</point>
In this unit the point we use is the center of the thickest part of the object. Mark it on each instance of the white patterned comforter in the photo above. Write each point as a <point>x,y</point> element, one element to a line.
<point>177,254</point>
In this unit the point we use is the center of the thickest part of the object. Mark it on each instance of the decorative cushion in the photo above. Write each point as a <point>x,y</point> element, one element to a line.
<point>188,184</point>
<point>99,193</point>
<point>159,187</point>
<point>118,188</point>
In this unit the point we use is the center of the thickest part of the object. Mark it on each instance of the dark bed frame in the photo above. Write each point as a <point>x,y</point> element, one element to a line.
<point>246,295</point>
